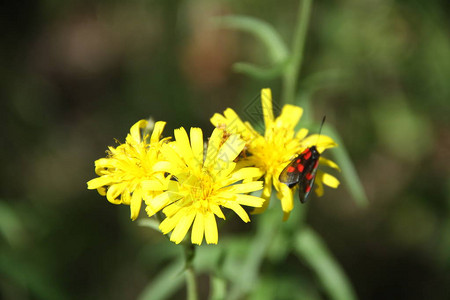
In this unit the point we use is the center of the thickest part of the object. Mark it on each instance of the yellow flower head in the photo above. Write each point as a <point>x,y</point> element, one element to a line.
<point>273,151</point>
<point>133,170</point>
<point>202,183</point>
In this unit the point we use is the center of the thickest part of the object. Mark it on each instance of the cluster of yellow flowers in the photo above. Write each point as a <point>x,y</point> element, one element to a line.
<point>190,182</point>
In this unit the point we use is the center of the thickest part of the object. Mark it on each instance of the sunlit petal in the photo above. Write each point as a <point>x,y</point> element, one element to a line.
<point>197,144</point>
<point>199,192</point>
<point>157,131</point>
<point>211,234</point>
<point>274,150</point>
<point>133,170</point>
<point>198,229</point>
<point>182,228</point>
<point>266,103</point>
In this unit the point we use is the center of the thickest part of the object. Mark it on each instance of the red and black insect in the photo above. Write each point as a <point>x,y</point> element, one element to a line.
<point>302,170</point>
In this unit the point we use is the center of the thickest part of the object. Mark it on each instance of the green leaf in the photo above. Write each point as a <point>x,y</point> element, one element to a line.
<point>10,225</point>
<point>218,288</point>
<point>262,30</point>
<point>30,277</point>
<point>348,170</point>
<point>285,286</point>
<point>259,72</point>
<point>165,284</point>
<point>309,247</point>
<point>324,79</point>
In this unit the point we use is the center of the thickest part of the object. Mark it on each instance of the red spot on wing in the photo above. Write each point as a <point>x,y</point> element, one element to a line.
<point>309,176</point>
<point>290,169</point>
<point>307,155</point>
<point>298,160</point>
<point>308,188</point>
<point>300,168</point>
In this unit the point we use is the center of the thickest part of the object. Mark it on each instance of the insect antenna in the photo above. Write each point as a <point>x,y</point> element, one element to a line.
<point>320,129</point>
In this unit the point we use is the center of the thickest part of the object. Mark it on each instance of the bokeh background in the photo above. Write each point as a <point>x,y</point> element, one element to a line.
<point>77,74</point>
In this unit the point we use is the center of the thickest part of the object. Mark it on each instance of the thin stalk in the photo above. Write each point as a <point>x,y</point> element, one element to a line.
<point>268,228</point>
<point>191,283</point>
<point>290,77</point>
<point>191,279</point>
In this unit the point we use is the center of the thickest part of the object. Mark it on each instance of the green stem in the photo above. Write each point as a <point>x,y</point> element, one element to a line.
<point>191,280</point>
<point>191,283</point>
<point>268,228</point>
<point>290,77</point>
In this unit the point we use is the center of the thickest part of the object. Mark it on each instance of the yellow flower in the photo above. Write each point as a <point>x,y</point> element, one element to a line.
<point>273,151</point>
<point>133,170</point>
<point>202,184</point>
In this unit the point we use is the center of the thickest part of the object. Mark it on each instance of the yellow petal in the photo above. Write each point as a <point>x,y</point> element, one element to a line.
<point>222,169</point>
<point>103,164</point>
<point>198,229</point>
<point>216,210</point>
<point>286,215</point>
<point>251,133</point>
<point>249,200</point>
<point>182,228</point>
<point>235,125</point>
<point>102,191</point>
<point>289,117</point>
<point>197,145</point>
<point>170,154</point>
<point>330,180</point>
<point>172,209</point>
<point>169,223</point>
<point>135,207</point>
<point>231,148</point>
<point>329,163</point>
<point>245,187</point>
<point>126,198</point>
<point>245,173</point>
<point>161,166</point>
<point>213,147</point>
<point>157,131</point>
<point>266,193</point>
<point>260,210</point>
<point>319,188</point>
<point>153,185</point>
<point>302,133</point>
<point>183,146</point>
<point>218,120</point>
<point>162,200</point>
<point>135,131</point>
<point>287,201</point>
<point>211,234</point>
<point>238,210</point>
<point>113,192</point>
<point>323,142</point>
<point>266,103</point>
<point>151,211</point>
<point>99,182</point>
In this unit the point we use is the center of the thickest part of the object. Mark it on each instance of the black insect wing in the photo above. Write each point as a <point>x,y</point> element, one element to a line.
<point>308,176</point>
<point>302,170</point>
<point>291,175</point>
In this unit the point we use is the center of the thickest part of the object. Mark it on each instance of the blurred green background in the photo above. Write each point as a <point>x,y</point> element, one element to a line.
<point>77,74</point>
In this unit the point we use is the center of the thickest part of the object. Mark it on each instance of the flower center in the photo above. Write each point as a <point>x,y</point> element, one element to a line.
<point>278,146</point>
<point>199,186</point>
